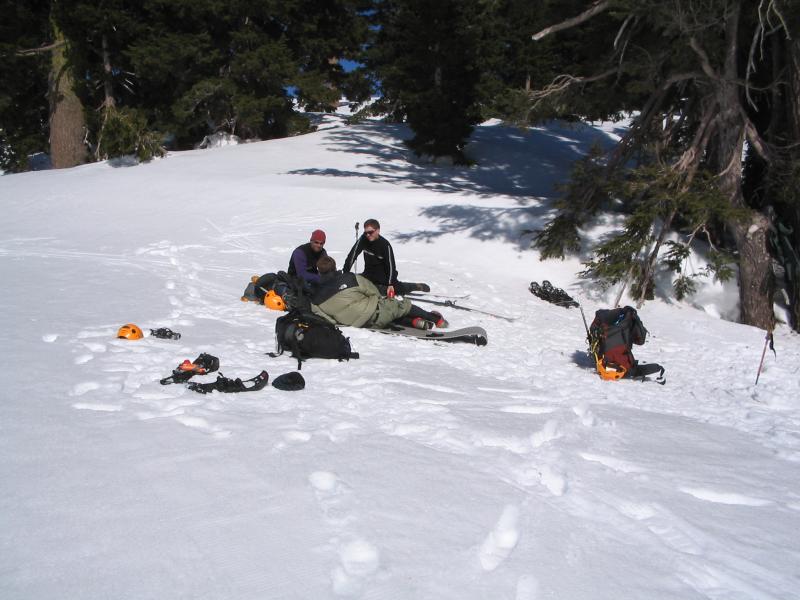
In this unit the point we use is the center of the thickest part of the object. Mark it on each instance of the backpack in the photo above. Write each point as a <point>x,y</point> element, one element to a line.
<point>292,289</point>
<point>611,337</point>
<point>307,335</point>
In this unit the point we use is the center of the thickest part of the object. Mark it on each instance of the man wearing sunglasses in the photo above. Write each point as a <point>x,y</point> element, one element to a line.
<point>304,259</point>
<point>379,265</point>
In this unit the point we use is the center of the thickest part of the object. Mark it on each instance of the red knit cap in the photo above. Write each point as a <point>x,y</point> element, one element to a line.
<point>318,236</point>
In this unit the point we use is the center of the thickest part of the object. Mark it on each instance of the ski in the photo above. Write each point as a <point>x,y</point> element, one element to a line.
<point>470,335</point>
<point>428,295</point>
<point>452,304</point>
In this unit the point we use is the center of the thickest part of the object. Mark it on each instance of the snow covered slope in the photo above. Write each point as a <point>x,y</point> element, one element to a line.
<point>420,471</point>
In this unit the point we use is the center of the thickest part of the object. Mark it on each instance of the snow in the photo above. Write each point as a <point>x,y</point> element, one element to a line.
<point>418,471</point>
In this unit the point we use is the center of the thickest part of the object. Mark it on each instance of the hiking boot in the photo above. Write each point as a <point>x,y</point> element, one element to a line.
<point>423,287</point>
<point>441,322</point>
<point>420,323</point>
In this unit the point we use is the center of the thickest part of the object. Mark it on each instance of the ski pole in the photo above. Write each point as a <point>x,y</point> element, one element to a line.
<point>355,262</point>
<point>585,326</point>
<point>767,340</point>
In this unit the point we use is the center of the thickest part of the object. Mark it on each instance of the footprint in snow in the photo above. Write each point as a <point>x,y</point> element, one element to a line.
<point>294,436</point>
<point>585,415</point>
<point>501,541</point>
<point>615,464</point>
<point>527,588</point>
<point>674,532</point>
<point>332,497</point>
<point>527,410</point>
<point>50,338</point>
<point>724,497</point>
<point>97,407</point>
<point>545,475</point>
<point>359,559</point>
<point>80,389</point>
<point>170,285</point>
<point>202,425</point>
<point>95,347</point>
<point>83,358</point>
<point>548,433</point>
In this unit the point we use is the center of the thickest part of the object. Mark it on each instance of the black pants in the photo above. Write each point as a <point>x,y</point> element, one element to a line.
<point>401,288</point>
<point>415,312</point>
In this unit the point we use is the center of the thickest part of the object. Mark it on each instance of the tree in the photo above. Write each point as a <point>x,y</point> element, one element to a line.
<point>24,107</point>
<point>37,39</point>
<point>427,58</point>
<point>688,62</point>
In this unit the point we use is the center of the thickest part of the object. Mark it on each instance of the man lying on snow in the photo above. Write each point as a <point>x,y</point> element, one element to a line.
<point>349,299</point>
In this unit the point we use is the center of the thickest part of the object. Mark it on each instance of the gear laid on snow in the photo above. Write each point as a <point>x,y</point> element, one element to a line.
<point>274,301</point>
<point>469,335</point>
<point>129,331</point>
<point>289,382</point>
<point>230,386</point>
<point>165,334</point>
<point>452,304</point>
<point>551,294</point>
<point>205,363</point>
<point>611,337</point>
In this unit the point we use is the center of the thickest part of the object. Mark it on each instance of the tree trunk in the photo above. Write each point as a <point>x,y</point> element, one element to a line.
<point>756,281</point>
<point>649,264</point>
<point>67,121</point>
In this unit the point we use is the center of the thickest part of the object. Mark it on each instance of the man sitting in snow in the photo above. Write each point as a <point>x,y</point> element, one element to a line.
<point>349,299</point>
<point>303,262</point>
<point>379,265</point>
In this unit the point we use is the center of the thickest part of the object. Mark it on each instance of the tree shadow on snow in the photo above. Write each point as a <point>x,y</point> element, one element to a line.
<point>522,164</point>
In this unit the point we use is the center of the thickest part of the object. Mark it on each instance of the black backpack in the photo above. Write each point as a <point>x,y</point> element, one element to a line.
<point>306,335</point>
<point>293,290</point>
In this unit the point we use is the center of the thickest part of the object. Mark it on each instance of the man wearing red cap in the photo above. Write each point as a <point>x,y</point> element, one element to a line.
<point>304,259</point>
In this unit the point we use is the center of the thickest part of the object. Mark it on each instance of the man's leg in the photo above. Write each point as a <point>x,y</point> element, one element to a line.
<point>416,315</point>
<point>402,288</point>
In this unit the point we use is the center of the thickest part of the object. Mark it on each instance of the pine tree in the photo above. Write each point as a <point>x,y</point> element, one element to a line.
<point>427,57</point>
<point>686,68</point>
<point>23,96</point>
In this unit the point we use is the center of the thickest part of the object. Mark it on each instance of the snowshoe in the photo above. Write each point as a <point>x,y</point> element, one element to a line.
<point>205,363</point>
<point>232,386</point>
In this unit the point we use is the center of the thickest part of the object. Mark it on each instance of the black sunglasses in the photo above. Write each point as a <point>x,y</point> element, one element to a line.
<point>370,231</point>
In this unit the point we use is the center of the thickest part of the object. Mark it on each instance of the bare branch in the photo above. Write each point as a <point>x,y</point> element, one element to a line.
<point>705,63</point>
<point>41,49</point>
<point>595,9</point>
<point>622,29</point>
<point>562,82</point>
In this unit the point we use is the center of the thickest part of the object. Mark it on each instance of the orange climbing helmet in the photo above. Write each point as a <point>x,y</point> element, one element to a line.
<point>274,301</point>
<point>129,331</point>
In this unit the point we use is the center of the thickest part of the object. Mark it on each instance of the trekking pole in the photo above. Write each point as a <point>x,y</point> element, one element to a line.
<point>585,326</point>
<point>355,262</point>
<point>767,340</point>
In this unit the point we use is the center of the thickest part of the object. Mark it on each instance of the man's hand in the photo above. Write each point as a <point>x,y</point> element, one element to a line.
<point>390,291</point>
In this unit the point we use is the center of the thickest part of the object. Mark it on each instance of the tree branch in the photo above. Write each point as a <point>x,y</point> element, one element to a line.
<point>562,82</point>
<point>705,63</point>
<point>41,49</point>
<point>595,9</point>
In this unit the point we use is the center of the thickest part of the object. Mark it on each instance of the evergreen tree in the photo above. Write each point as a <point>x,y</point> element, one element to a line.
<point>23,94</point>
<point>427,57</point>
<point>686,68</point>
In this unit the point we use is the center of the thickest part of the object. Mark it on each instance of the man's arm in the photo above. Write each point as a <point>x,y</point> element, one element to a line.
<point>300,263</point>
<point>353,254</point>
<point>391,270</point>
